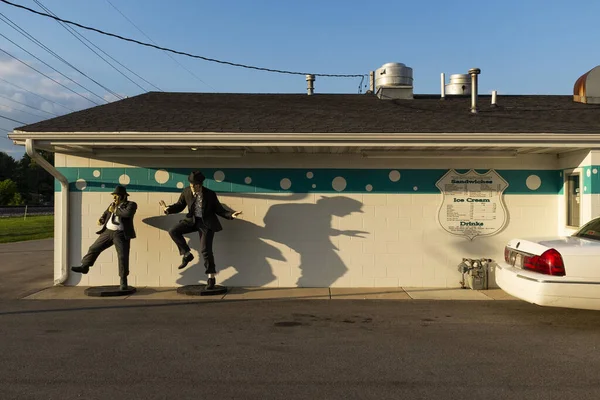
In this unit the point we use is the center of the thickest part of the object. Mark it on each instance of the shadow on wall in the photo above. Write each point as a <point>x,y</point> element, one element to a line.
<point>305,228</point>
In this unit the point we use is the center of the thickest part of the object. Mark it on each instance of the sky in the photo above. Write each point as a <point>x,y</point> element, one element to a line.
<point>521,47</point>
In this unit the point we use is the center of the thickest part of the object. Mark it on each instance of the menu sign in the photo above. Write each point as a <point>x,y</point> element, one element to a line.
<point>472,203</point>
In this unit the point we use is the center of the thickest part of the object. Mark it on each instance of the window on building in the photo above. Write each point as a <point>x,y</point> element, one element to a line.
<point>573,193</point>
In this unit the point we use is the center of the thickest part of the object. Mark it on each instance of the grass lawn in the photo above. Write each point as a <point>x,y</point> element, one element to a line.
<point>17,229</point>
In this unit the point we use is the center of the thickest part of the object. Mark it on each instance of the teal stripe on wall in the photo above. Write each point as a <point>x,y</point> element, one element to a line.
<point>266,180</point>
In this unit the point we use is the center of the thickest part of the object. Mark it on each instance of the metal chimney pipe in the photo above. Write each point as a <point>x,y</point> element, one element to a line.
<point>474,72</point>
<point>494,94</point>
<point>372,81</point>
<point>310,79</point>
<point>443,85</point>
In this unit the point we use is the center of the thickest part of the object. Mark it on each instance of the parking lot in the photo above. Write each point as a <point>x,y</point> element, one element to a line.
<point>291,348</point>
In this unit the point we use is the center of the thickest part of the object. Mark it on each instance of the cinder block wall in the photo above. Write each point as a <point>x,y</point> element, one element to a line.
<point>304,235</point>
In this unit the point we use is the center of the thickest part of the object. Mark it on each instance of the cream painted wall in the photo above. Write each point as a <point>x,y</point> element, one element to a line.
<point>403,244</point>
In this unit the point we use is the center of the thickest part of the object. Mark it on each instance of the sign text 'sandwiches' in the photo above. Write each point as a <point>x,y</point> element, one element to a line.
<point>472,203</point>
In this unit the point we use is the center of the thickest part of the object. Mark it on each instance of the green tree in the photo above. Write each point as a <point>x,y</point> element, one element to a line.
<point>8,166</point>
<point>17,200</point>
<point>8,192</point>
<point>34,183</point>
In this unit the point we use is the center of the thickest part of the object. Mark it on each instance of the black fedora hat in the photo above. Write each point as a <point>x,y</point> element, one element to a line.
<point>120,190</point>
<point>196,177</point>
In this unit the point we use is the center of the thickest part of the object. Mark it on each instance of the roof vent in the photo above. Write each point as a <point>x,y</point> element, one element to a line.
<point>460,85</point>
<point>587,87</point>
<point>394,81</point>
<point>310,84</point>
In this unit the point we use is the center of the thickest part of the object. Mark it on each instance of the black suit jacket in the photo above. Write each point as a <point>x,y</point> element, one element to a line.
<point>211,207</point>
<point>125,211</point>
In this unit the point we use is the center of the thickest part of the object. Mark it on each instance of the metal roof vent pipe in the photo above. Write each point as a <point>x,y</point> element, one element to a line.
<point>310,79</point>
<point>494,95</point>
<point>443,83</point>
<point>474,72</point>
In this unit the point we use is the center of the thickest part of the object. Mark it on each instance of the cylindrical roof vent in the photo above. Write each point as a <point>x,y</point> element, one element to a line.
<point>460,84</point>
<point>393,74</point>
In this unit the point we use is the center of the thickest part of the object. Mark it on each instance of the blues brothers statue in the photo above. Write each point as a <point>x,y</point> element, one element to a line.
<point>117,229</point>
<point>203,207</point>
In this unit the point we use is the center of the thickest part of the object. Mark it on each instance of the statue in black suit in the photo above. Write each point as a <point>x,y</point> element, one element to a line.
<point>203,207</point>
<point>117,229</point>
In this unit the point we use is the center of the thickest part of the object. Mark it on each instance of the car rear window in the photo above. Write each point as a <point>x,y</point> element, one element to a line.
<point>591,230</point>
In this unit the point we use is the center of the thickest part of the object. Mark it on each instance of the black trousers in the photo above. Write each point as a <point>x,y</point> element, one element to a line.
<point>206,241</point>
<point>104,241</point>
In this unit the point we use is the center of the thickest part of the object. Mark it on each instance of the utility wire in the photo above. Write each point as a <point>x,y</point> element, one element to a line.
<point>41,73</point>
<point>153,42</point>
<point>76,34</point>
<point>180,52</point>
<point>13,120</point>
<point>23,111</point>
<point>27,105</point>
<point>7,20</point>
<point>35,94</point>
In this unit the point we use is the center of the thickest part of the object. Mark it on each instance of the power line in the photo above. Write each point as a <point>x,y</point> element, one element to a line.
<point>10,23</point>
<point>35,94</point>
<point>23,111</point>
<point>13,120</point>
<point>180,52</point>
<point>53,80</point>
<point>153,42</point>
<point>76,34</point>
<point>27,105</point>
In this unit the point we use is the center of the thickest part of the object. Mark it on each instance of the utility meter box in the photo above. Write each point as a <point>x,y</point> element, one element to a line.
<point>474,273</point>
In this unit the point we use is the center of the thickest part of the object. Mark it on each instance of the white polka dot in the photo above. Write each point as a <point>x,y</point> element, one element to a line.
<point>180,185</point>
<point>314,186</point>
<point>285,184</point>
<point>219,176</point>
<point>533,182</point>
<point>124,179</point>
<point>103,186</point>
<point>560,174</point>
<point>248,180</point>
<point>585,188</point>
<point>161,176</point>
<point>394,176</point>
<point>369,188</point>
<point>415,188</point>
<point>81,184</point>
<point>588,173</point>
<point>309,175</point>
<point>338,184</point>
<point>594,171</point>
<point>96,174</point>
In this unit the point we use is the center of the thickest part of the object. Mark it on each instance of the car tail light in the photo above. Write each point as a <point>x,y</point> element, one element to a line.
<point>506,254</point>
<point>549,263</point>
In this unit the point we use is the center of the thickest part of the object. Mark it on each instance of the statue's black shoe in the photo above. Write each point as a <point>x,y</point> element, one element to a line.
<point>210,284</point>
<point>81,269</point>
<point>185,261</point>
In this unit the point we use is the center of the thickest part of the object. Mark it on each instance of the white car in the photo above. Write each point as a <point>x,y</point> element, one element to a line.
<point>557,272</point>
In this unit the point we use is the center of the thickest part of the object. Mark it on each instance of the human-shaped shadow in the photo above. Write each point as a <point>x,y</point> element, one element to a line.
<point>238,246</point>
<point>306,228</point>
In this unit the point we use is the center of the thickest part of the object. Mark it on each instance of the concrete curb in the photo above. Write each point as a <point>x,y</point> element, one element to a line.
<point>260,293</point>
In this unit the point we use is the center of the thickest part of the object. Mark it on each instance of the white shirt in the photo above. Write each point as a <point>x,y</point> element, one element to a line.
<point>112,226</point>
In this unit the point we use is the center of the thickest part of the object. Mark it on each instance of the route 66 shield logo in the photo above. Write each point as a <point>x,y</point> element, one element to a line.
<point>472,203</point>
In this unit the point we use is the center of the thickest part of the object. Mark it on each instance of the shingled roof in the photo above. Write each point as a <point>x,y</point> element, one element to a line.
<point>327,113</point>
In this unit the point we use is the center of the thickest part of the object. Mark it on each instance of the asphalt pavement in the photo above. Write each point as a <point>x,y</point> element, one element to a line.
<point>282,348</point>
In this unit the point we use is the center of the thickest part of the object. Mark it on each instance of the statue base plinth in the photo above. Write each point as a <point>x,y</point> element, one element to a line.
<point>109,291</point>
<point>201,290</point>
